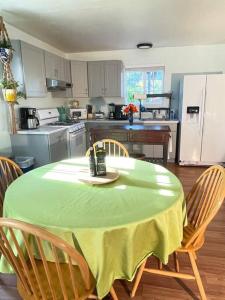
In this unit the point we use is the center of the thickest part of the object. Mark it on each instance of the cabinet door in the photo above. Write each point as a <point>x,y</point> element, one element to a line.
<point>58,149</point>
<point>34,70</point>
<point>50,67</point>
<point>96,78</point>
<point>60,67</point>
<point>67,71</point>
<point>113,78</point>
<point>79,78</point>
<point>54,66</point>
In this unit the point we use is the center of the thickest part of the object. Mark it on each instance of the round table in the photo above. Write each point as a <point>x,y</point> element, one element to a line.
<point>115,226</point>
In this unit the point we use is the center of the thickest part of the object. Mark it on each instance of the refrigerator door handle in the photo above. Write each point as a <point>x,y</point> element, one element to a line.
<point>201,115</point>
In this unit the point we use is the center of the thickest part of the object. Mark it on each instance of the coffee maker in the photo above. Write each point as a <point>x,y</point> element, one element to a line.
<point>28,118</point>
<point>118,113</point>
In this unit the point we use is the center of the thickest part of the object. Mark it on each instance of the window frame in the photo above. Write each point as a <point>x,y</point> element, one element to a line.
<point>145,70</point>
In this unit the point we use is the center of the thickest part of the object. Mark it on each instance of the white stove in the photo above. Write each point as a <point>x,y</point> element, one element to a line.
<point>76,132</point>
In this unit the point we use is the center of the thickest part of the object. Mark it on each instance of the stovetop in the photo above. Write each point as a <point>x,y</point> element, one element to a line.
<point>66,123</point>
<point>72,125</point>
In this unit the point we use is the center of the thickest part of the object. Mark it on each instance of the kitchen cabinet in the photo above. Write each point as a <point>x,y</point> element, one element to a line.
<point>34,70</point>
<point>68,78</point>
<point>79,78</point>
<point>138,134</point>
<point>113,78</point>
<point>67,71</point>
<point>54,66</point>
<point>151,151</point>
<point>28,68</point>
<point>96,78</point>
<point>105,78</point>
<point>45,148</point>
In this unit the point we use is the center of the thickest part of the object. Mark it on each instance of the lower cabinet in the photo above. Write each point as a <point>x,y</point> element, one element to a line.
<point>45,148</point>
<point>151,151</point>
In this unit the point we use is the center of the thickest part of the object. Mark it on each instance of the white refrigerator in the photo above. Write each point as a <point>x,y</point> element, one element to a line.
<point>202,120</point>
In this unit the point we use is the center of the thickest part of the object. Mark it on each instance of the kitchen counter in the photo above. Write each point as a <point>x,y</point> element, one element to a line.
<point>42,130</point>
<point>143,134</point>
<point>153,151</point>
<point>136,121</point>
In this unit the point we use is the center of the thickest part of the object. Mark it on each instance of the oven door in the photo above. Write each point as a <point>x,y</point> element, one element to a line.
<point>77,143</point>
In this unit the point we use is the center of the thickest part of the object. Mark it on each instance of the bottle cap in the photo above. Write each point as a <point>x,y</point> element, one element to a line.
<point>100,144</point>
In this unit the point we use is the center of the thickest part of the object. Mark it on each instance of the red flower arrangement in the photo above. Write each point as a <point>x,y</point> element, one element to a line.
<point>130,108</point>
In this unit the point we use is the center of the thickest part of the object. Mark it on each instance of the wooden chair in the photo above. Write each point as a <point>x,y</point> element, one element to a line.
<point>38,278</point>
<point>9,171</point>
<point>203,202</point>
<point>112,147</point>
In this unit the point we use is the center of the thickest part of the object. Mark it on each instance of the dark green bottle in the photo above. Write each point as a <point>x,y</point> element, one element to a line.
<point>100,160</point>
<point>92,162</point>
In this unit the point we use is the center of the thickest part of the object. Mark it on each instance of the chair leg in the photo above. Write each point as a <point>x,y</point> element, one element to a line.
<point>137,279</point>
<point>113,294</point>
<point>197,275</point>
<point>176,261</point>
<point>195,256</point>
<point>160,265</point>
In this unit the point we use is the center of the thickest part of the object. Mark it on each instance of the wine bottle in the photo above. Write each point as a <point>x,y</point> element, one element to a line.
<point>92,160</point>
<point>100,160</point>
<point>92,163</point>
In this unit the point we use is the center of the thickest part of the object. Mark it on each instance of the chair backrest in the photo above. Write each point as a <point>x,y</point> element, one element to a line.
<point>15,245</point>
<point>204,201</point>
<point>9,171</point>
<point>112,147</point>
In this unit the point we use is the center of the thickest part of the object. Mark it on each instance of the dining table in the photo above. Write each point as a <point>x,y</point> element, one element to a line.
<point>115,226</point>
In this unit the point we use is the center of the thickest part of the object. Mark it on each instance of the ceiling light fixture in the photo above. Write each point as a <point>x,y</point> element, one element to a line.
<point>144,45</point>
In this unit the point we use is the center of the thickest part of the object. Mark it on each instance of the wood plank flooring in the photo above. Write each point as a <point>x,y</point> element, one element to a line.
<point>211,263</point>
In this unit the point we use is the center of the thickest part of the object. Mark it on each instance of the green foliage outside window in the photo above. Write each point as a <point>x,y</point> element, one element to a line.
<point>143,82</point>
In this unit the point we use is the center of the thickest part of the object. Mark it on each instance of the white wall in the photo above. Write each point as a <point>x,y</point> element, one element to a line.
<point>175,59</point>
<point>49,101</point>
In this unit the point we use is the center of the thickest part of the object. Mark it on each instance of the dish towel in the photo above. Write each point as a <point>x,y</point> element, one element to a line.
<point>170,146</point>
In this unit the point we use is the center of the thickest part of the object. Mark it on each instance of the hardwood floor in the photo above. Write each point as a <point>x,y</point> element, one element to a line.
<point>211,263</point>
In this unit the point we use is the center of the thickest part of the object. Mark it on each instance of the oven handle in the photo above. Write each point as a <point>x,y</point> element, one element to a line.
<point>76,133</point>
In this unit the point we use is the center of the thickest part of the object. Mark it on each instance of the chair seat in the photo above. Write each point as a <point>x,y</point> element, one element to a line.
<point>82,292</point>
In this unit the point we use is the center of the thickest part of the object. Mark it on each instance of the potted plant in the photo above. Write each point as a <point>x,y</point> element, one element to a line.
<point>129,110</point>
<point>9,91</point>
<point>5,50</point>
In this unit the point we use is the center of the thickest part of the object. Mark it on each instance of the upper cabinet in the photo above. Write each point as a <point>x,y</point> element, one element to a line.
<point>105,78</point>
<point>54,66</point>
<point>96,79</point>
<point>67,71</point>
<point>28,67</point>
<point>79,78</point>
<point>113,78</point>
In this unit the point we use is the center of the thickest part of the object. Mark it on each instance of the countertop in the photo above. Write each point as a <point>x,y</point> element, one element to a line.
<point>135,127</point>
<point>42,130</point>
<point>136,121</point>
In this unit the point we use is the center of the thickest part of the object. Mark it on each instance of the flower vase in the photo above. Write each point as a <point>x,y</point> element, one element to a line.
<point>130,118</point>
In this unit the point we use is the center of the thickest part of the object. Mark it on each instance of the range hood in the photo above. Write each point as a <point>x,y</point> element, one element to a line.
<point>56,85</point>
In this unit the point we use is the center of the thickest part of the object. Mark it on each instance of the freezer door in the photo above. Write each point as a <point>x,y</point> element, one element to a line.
<point>191,123</point>
<point>213,141</point>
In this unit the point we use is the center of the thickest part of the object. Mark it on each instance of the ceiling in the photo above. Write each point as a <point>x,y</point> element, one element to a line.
<point>95,25</point>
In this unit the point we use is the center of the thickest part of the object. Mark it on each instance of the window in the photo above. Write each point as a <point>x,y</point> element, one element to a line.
<point>144,81</point>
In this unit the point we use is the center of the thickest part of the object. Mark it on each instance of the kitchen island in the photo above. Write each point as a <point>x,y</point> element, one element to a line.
<point>153,152</point>
<point>135,134</point>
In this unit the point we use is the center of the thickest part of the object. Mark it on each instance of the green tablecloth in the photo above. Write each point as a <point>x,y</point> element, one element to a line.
<point>116,225</point>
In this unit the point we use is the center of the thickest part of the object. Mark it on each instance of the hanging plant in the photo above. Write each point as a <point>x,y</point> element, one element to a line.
<point>8,84</point>
<point>6,50</point>
<point>9,91</point>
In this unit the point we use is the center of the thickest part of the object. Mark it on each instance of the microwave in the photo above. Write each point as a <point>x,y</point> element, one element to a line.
<point>78,113</point>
